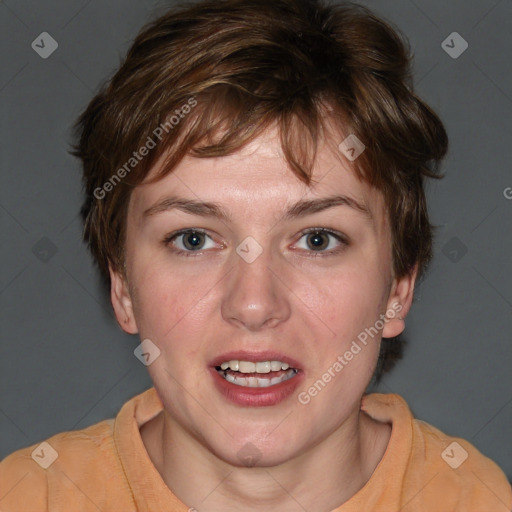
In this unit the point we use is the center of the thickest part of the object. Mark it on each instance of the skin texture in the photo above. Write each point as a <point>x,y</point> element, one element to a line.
<point>313,456</point>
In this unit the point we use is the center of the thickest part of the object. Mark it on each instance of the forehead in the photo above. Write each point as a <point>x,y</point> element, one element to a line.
<point>256,182</point>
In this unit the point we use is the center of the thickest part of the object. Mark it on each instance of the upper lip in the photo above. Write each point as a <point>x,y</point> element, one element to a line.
<point>254,357</point>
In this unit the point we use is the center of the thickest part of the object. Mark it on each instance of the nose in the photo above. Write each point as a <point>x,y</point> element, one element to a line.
<point>255,297</point>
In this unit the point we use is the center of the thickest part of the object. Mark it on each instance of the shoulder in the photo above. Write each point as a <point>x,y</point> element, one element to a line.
<point>32,475</point>
<point>20,477</point>
<point>436,471</point>
<point>456,472</point>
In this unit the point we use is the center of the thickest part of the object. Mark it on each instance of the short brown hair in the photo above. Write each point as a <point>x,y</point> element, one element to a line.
<point>213,75</point>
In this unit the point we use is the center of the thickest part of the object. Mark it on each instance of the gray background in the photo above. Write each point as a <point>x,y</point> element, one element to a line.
<point>64,362</point>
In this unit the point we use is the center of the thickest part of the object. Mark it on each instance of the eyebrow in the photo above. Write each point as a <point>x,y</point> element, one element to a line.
<point>297,210</point>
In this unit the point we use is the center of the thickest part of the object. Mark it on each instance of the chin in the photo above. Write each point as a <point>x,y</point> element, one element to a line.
<point>256,450</point>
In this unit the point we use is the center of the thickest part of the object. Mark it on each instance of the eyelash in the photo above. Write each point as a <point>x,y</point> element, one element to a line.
<point>340,237</point>
<point>170,238</point>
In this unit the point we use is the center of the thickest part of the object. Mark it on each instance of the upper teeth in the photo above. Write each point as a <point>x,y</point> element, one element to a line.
<point>250,367</point>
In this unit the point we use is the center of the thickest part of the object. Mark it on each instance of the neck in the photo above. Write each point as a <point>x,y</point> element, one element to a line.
<point>321,478</point>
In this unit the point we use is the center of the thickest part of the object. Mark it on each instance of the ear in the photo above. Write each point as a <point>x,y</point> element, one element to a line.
<point>122,302</point>
<point>399,304</point>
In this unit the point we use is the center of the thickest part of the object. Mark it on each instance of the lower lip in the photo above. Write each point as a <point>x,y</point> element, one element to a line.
<point>256,397</point>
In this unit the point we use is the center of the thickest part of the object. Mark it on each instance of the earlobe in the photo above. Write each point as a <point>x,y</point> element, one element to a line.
<point>122,302</point>
<point>399,304</point>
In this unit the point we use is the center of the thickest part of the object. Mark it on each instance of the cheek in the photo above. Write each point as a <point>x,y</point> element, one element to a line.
<point>160,299</point>
<point>169,313</point>
<point>171,302</point>
<point>346,300</point>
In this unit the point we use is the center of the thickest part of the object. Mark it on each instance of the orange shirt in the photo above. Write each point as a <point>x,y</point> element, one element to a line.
<point>106,468</point>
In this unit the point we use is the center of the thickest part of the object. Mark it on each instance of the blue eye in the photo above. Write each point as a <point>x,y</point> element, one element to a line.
<point>318,242</point>
<point>322,240</point>
<point>188,240</point>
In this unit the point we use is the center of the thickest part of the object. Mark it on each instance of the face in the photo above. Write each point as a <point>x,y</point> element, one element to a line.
<point>239,273</point>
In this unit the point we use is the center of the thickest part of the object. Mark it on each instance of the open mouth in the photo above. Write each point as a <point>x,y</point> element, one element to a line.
<point>261,374</point>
